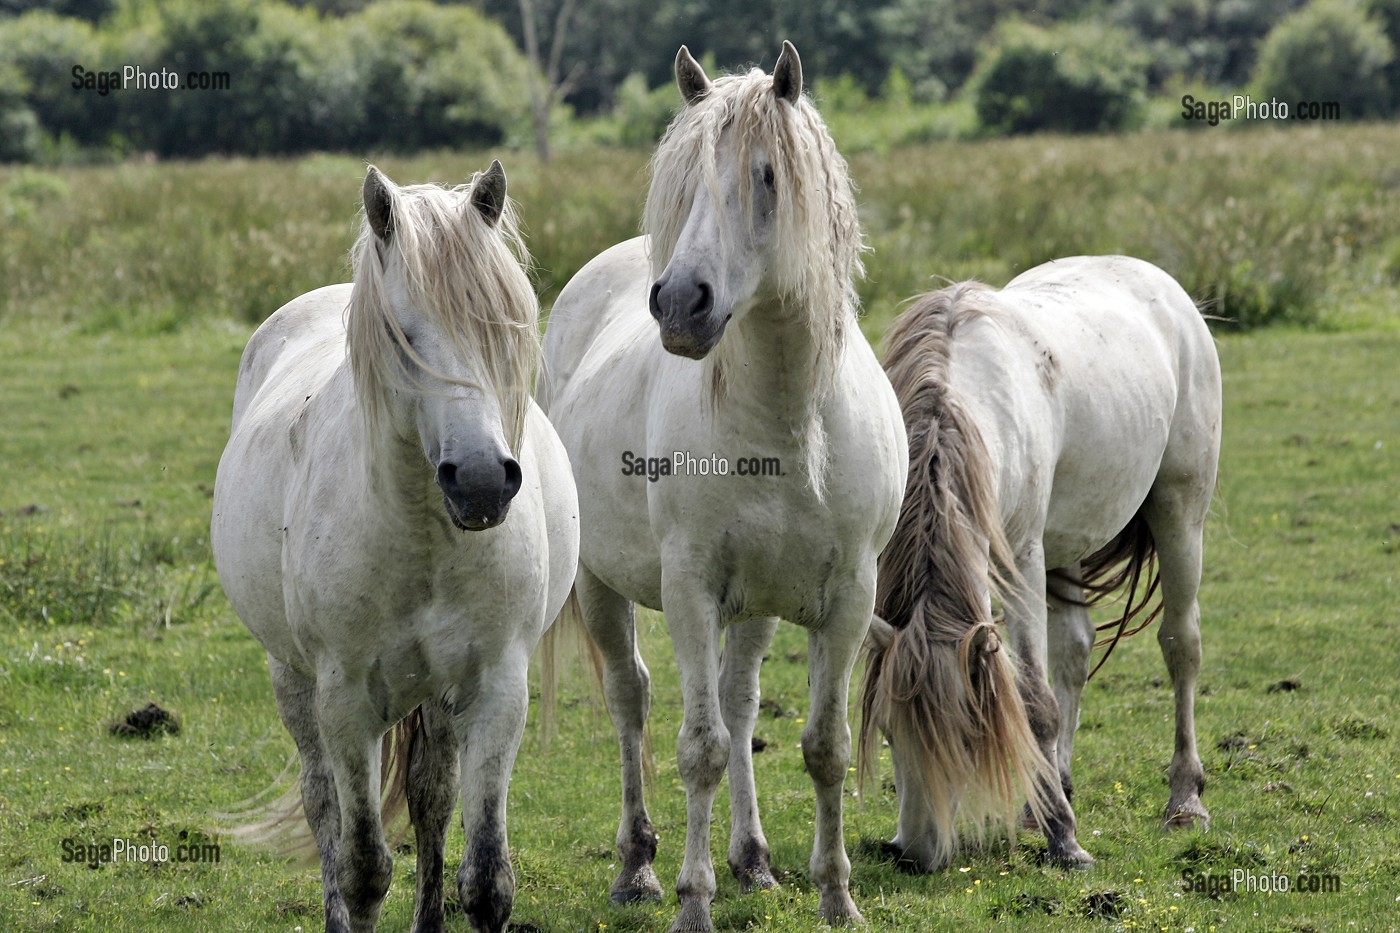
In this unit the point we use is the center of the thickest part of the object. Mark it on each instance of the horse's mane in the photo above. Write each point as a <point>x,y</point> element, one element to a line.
<point>816,231</point>
<point>949,524</point>
<point>465,274</point>
<point>942,685</point>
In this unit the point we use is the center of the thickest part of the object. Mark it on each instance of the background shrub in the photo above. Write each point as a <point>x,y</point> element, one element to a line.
<point>1330,50</point>
<point>1074,77</point>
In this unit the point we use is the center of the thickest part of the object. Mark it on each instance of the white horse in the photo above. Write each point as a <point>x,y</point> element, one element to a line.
<point>1057,428</point>
<point>374,426</point>
<point>753,243</point>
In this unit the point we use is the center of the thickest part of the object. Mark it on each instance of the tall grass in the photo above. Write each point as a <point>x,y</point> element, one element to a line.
<point>1298,225</point>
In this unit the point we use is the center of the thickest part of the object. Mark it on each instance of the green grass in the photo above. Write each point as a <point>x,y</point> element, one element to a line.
<point>116,388</point>
<point>1295,225</point>
<point>1303,557</point>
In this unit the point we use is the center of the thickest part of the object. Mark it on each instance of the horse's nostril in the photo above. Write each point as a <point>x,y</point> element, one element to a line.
<point>447,475</point>
<point>704,300</point>
<point>652,301</point>
<point>513,480</point>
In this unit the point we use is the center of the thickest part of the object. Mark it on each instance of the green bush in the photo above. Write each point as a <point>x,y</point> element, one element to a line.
<point>1330,50</point>
<point>401,75</point>
<point>1076,77</point>
<point>641,114</point>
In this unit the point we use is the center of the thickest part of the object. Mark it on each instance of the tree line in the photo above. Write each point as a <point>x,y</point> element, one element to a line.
<point>403,75</point>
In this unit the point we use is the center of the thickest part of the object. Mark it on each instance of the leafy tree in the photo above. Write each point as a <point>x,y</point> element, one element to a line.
<point>1330,50</point>
<point>90,10</point>
<point>1214,41</point>
<point>19,129</point>
<point>1076,77</point>
<point>43,47</point>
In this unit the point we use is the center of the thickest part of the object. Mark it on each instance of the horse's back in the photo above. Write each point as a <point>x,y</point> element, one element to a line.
<point>1109,382</point>
<point>612,286</point>
<point>288,358</point>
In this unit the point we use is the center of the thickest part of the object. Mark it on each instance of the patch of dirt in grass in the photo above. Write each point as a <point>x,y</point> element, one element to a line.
<point>145,723</point>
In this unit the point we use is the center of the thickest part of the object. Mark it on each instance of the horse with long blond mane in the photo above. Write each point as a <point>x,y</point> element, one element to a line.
<point>396,523</point>
<point>746,271</point>
<point>1064,433</point>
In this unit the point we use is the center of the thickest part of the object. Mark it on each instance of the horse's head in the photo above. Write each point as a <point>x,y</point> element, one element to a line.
<point>718,186</point>
<point>442,335</point>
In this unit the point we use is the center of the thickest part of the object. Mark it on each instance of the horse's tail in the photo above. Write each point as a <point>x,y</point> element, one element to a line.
<point>937,680</point>
<point>1122,563</point>
<point>569,623</point>
<point>280,825</point>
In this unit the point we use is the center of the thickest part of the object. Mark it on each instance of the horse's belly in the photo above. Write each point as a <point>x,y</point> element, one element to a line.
<point>1104,475</point>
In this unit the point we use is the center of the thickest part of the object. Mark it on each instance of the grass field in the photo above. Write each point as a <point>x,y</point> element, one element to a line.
<point>115,388</point>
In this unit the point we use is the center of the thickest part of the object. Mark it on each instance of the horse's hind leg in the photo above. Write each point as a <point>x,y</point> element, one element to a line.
<point>627,689</point>
<point>1071,646</point>
<point>432,793</point>
<point>744,645</point>
<point>296,702</point>
<point>1176,516</point>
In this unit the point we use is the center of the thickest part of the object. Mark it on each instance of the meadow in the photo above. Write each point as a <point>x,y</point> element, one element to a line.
<point>127,293</point>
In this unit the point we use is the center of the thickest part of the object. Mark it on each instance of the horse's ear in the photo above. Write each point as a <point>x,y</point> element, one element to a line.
<point>379,203</point>
<point>489,192</point>
<point>691,78</point>
<point>787,74</point>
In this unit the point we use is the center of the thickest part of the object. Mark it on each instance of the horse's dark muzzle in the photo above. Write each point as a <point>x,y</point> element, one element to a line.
<point>685,311</point>
<point>478,497</point>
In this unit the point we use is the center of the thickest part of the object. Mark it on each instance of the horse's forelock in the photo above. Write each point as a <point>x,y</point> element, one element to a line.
<point>467,276</point>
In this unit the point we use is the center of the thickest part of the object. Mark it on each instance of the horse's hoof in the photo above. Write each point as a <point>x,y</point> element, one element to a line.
<point>838,910</point>
<point>1072,856</point>
<point>754,874</point>
<point>757,880</point>
<point>636,887</point>
<point>1190,815</point>
<point>901,858</point>
<point>693,918</point>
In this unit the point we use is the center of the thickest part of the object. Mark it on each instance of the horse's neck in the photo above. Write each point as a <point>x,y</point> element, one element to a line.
<point>770,372</point>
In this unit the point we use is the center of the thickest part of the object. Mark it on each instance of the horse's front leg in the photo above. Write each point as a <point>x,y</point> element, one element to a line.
<point>489,735</point>
<point>296,701</point>
<point>744,646</point>
<point>351,729</point>
<point>1028,625</point>
<point>832,645</point>
<point>702,752</point>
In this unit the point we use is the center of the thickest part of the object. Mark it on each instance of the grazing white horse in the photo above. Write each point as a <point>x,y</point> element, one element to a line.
<point>753,243</point>
<point>381,433</point>
<point>1057,428</point>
